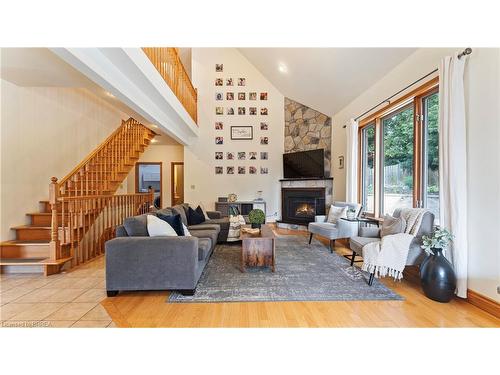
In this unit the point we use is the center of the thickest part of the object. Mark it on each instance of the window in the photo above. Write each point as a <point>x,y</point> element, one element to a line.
<point>399,155</point>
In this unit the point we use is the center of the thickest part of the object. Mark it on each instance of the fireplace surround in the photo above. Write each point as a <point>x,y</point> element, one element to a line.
<point>300,205</point>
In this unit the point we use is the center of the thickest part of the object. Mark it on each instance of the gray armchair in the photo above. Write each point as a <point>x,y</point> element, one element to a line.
<point>341,229</point>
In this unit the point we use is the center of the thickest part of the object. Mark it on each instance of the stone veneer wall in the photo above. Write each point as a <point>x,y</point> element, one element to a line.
<point>307,129</point>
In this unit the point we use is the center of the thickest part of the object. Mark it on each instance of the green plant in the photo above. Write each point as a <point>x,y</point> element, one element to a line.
<point>257,216</point>
<point>439,239</point>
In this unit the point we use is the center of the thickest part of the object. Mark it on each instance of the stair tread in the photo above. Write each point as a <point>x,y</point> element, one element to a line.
<point>24,242</point>
<point>32,261</point>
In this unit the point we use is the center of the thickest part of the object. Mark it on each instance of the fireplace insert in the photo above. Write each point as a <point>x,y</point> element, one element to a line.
<point>300,205</point>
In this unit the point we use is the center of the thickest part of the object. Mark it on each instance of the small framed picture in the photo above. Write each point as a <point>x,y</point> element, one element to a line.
<point>230,170</point>
<point>241,96</point>
<point>219,170</point>
<point>241,110</point>
<point>219,96</point>
<point>264,170</point>
<point>219,110</point>
<point>219,67</point>
<point>242,132</point>
<point>218,82</point>
<point>252,155</point>
<point>219,155</point>
<point>341,162</point>
<point>263,111</point>
<point>264,140</point>
<point>242,155</point>
<point>229,95</point>
<point>263,96</point>
<point>229,82</point>
<point>219,125</point>
<point>252,111</point>
<point>252,96</point>
<point>230,155</point>
<point>230,111</point>
<point>219,140</point>
<point>252,170</point>
<point>241,170</point>
<point>242,81</point>
<point>264,126</point>
<point>264,155</point>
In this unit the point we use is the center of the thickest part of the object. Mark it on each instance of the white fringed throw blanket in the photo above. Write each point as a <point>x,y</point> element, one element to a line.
<point>388,256</point>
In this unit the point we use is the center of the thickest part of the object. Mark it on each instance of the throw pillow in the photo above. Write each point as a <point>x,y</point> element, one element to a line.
<point>158,227</point>
<point>186,231</point>
<point>174,221</point>
<point>392,225</point>
<point>336,213</point>
<point>195,217</point>
<point>136,226</point>
<point>204,211</point>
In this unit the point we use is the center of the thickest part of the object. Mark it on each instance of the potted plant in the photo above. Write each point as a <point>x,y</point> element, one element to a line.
<point>351,213</point>
<point>436,272</point>
<point>256,217</point>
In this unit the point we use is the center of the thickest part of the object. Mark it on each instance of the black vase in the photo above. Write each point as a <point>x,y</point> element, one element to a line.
<point>256,225</point>
<point>438,277</point>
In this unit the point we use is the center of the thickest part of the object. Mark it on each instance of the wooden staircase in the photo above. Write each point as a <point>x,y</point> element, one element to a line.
<point>82,210</point>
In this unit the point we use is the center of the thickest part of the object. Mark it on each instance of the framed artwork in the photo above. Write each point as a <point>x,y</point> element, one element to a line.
<point>241,110</point>
<point>229,95</point>
<point>252,170</point>
<point>264,126</point>
<point>242,155</point>
<point>219,110</point>
<point>241,170</point>
<point>218,82</point>
<point>219,140</point>
<point>219,170</point>
<point>341,162</point>
<point>242,132</point>
<point>219,155</point>
<point>252,111</point>
<point>241,96</point>
<point>264,155</point>
<point>219,67</point>
<point>230,111</point>
<point>229,82</point>
<point>219,125</point>
<point>252,155</point>
<point>263,111</point>
<point>230,170</point>
<point>264,170</point>
<point>230,155</point>
<point>263,96</point>
<point>242,81</point>
<point>219,96</point>
<point>252,96</point>
<point>264,140</point>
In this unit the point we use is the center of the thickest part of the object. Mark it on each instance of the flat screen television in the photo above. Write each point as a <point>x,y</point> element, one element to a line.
<point>304,164</point>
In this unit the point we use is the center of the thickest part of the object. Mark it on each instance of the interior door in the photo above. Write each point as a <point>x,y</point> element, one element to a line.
<point>177,183</point>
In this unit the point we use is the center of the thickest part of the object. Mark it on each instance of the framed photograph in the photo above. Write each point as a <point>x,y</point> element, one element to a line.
<point>219,170</point>
<point>263,96</point>
<point>219,67</point>
<point>219,140</point>
<point>230,155</point>
<point>229,82</point>
<point>230,170</point>
<point>242,155</point>
<point>229,95</point>
<point>341,162</point>
<point>218,82</point>
<point>241,96</point>
<point>264,140</point>
<point>219,96</point>
<point>241,110</point>
<point>241,170</point>
<point>252,170</point>
<point>229,111</point>
<point>252,111</point>
<point>264,170</point>
<point>252,155</point>
<point>219,155</point>
<point>219,110</point>
<point>264,126</point>
<point>219,125</point>
<point>252,96</point>
<point>242,81</point>
<point>264,155</point>
<point>263,111</point>
<point>241,132</point>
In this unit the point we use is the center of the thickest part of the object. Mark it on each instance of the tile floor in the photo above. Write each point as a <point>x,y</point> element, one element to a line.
<point>69,299</point>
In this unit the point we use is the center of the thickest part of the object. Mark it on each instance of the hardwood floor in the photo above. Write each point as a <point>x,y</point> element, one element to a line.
<point>150,309</point>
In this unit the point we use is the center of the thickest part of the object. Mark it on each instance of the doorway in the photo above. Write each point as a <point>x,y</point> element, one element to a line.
<point>149,175</point>
<point>177,182</point>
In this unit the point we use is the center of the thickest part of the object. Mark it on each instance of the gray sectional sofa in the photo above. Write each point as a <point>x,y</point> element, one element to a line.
<point>135,261</point>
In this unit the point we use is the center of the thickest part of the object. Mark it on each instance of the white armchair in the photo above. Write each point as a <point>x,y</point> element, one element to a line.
<point>341,229</point>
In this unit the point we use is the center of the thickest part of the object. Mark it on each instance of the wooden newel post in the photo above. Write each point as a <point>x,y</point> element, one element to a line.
<point>151,199</point>
<point>54,246</point>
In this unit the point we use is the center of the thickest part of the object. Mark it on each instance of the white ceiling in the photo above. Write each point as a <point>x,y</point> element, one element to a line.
<point>325,79</point>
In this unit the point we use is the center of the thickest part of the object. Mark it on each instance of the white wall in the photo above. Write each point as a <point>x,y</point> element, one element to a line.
<point>482,86</point>
<point>45,132</point>
<point>159,153</point>
<point>201,183</point>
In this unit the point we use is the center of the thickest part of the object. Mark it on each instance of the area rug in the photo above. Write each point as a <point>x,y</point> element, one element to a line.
<point>303,273</point>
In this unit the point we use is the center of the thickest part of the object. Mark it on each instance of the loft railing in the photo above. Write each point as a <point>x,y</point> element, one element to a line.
<point>168,63</point>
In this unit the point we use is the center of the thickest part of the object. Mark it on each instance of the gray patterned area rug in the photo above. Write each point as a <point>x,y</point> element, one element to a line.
<point>303,273</point>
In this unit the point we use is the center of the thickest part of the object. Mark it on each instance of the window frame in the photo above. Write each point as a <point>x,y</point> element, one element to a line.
<point>362,169</point>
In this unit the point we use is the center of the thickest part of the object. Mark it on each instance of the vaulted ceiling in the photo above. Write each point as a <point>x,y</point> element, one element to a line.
<point>325,79</point>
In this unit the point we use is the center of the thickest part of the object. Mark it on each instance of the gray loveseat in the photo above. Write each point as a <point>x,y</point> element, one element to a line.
<point>135,261</point>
